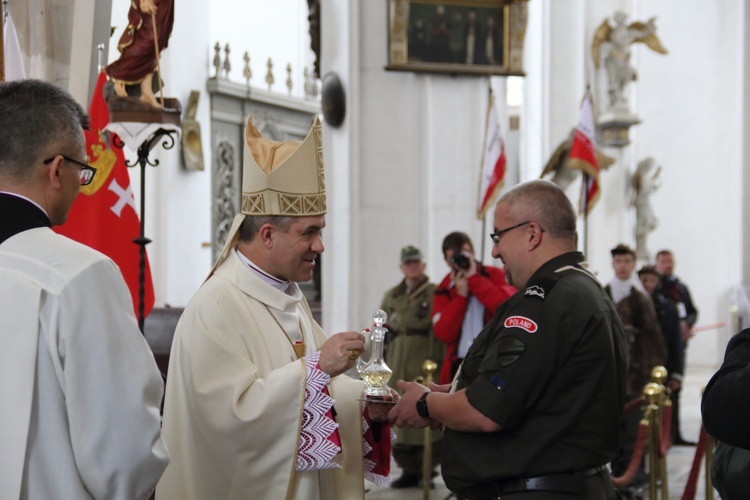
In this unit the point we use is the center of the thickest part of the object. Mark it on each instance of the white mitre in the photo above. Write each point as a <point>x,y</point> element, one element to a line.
<point>279,178</point>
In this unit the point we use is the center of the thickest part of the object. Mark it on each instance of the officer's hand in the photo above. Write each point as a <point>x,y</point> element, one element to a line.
<point>440,388</point>
<point>340,352</point>
<point>405,412</point>
<point>379,411</point>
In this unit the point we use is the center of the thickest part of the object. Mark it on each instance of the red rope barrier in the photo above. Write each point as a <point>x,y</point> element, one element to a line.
<point>695,470</point>
<point>635,460</point>
<point>632,405</point>
<point>666,431</point>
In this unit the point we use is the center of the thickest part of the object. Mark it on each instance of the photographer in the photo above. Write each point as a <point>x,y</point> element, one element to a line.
<point>465,300</point>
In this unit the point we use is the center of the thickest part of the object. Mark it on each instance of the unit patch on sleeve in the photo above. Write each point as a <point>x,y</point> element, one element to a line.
<point>510,351</point>
<point>540,287</point>
<point>520,322</point>
<point>536,291</point>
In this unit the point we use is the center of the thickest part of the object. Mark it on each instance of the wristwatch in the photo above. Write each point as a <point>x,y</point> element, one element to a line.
<point>422,409</point>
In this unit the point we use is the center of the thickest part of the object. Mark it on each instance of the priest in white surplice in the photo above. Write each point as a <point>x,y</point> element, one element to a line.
<point>79,388</point>
<point>257,404</point>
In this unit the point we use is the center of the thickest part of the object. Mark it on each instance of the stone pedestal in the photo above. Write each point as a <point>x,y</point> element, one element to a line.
<point>614,131</point>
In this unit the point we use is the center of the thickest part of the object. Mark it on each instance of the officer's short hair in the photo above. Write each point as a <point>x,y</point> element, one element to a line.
<point>545,202</point>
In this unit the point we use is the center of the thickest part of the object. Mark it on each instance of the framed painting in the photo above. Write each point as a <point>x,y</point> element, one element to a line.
<point>481,37</point>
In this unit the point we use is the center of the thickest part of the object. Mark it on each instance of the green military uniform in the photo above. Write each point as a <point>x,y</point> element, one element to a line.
<point>550,368</point>
<point>413,343</point>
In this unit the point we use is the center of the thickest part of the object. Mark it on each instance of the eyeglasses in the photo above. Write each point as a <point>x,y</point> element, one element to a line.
<point>85,172</point>
<point>497,234</point>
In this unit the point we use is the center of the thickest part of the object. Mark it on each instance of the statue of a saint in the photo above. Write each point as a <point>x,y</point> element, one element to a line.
<point>145,37</point>
<point>619,38</point>
<point>645,181</point>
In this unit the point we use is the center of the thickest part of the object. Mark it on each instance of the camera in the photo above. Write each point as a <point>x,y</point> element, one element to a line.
<point>461,261</point>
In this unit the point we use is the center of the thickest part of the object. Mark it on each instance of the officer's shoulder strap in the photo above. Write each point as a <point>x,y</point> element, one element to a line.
<point>581,269</point>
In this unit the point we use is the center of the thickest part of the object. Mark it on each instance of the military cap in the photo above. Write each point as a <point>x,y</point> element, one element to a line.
<point>410,252</point>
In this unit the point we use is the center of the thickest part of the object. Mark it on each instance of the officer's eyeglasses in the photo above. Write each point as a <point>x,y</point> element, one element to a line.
<point>498,233</point>
<point>85,172</point>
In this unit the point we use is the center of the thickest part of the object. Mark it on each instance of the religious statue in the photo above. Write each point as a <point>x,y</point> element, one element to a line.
<point>145,37</point>
<point>620,72</point>
<point>645,181</point>
<point>557,165</point>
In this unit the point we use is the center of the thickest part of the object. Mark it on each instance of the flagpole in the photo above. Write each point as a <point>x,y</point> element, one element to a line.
<point>484,216</point>
<point>2,42</point>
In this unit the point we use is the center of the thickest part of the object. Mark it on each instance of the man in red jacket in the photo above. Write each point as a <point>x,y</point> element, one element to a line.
<point>465,300</point>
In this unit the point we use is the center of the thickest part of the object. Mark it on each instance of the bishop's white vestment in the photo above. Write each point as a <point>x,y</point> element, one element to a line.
<point>235,404</point>
<point>79,388</point>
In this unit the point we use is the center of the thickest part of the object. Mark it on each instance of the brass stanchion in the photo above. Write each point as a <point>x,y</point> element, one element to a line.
<point>652,392</point>
<point>428,367</point>
<point>659,375</point>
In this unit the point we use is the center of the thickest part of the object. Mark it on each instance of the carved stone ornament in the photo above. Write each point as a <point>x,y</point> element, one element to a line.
<point>645,181</point>
<point>313,18</point>
<point>227,193</point>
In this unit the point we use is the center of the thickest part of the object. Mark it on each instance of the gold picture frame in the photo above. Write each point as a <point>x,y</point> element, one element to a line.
<point>475,37</point>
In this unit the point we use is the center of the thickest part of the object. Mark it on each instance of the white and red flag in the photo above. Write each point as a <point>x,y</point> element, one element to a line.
<point>103,216</point>
<point>583,156</point>
<point>493,161</point>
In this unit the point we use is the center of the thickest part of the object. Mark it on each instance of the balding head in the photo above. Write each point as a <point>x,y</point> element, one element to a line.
<point>534,222</point>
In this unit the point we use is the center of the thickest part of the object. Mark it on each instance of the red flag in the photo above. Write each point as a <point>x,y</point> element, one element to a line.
<point>583,156</point>
<point>103,216</point>
<point>493,161</point>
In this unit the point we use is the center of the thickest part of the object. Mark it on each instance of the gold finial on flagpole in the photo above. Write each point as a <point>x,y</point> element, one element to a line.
<point>99,55</point>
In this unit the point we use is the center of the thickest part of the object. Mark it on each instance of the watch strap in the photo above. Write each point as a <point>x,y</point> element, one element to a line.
<point>422,408</point>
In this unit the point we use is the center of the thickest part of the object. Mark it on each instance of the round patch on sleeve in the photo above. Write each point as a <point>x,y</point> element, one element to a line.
<point>510,351</point>
<point>521,322</point>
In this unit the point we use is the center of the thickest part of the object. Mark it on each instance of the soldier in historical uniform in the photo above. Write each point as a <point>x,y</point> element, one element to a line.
<point>647,349</point>
<point>408,305</point>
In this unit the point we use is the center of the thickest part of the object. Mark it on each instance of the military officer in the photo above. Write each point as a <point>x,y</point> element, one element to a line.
<point>536,406</point>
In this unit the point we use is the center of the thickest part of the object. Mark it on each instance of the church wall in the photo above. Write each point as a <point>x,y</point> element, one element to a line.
<point>403,168</point>
<point>690,103</point>
<point>418,131</point>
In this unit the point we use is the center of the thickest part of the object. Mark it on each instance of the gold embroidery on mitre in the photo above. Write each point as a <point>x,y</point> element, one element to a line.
<point>291,179</point>
<point>103,160</point>
<point>253,204</point>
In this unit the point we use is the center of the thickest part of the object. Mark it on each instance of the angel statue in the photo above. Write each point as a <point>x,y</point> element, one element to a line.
<point>557,165</point>
<point>619,38</point>
<point>645,181</point>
